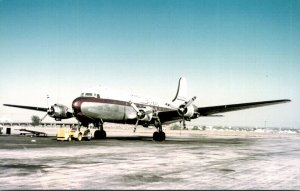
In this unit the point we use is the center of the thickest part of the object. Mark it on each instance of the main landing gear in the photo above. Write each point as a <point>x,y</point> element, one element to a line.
<point>100,133</point>
<point>159,135</point>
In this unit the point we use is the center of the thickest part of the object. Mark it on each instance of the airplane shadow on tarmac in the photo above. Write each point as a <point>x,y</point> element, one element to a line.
<point>185,140</point>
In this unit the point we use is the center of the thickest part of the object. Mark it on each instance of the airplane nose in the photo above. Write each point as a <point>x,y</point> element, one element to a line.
<point>76,105</point>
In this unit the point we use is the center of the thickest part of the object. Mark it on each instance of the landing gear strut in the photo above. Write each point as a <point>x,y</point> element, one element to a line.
<point>100,133</point>
<point>159,135</point>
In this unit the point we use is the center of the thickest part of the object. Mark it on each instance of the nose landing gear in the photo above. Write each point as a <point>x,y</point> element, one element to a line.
<point>100,133</point>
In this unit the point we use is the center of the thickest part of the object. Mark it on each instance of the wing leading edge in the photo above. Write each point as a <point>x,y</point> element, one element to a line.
<point>173,116</point>
<point>207,111</point>
<point>27,107</point>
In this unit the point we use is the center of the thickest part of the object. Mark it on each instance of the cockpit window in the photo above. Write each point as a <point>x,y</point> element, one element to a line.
<point>90,95</point>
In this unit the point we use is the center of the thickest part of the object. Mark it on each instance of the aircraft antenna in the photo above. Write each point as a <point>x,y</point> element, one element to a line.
<point>47,100</point>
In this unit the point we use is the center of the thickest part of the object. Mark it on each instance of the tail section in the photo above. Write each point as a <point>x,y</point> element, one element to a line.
<point>182,93</point>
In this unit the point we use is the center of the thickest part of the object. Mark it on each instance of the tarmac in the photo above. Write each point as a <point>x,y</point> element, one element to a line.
<point>186,160</point>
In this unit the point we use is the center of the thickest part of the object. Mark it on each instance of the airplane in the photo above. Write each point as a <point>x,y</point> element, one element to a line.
<point>101,105</point>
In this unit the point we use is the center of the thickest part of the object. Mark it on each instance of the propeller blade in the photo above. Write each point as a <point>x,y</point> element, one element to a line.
<point>134,106</point>
<point>187,104</point>
<point>183,123</point>
<point>190,102</point>
<point>44,117</point>
<point>136,124</point>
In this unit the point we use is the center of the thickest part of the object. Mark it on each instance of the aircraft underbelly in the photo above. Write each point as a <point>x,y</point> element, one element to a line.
<point>105,111</point>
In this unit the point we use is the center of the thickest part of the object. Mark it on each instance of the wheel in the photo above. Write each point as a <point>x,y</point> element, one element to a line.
<point>102,134</point>
<point>159,136</point>
<point>99,134</point>
<point>155,136</point>
<point>79,137</point>
<point>87,135</point>
<point>162,136</point>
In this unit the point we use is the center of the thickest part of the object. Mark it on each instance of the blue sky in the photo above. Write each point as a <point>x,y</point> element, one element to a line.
<point>229,51</point>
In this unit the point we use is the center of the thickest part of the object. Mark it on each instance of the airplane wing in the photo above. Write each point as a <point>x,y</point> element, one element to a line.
<point>28,107</point>
<point>57,111</point>
<point>173,116</point>
<point>206,111</point>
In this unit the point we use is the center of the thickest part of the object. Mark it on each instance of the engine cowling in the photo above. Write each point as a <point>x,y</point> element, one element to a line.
<point>186,111</point>
<point>59,111</point>
<point>145,114</point>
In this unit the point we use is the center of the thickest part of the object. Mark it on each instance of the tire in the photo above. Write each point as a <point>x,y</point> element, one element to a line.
<point>99,134</point>
<point>102,135</point>
<point>87,135</point>
<point>155,136</point>
<point>162,136</point>
<point>79,137</point>
<point>159,136</point>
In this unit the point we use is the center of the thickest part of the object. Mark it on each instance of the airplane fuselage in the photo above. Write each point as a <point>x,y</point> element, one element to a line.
<point>110,105</point>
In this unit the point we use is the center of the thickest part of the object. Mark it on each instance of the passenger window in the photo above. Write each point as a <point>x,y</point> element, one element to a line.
<point>98,96</point>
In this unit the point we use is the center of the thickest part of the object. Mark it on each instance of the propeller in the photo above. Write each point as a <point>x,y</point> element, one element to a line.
<point>182,109</point>
<point>50,111</point>
<point>140,114</point>
<point>44,117</point>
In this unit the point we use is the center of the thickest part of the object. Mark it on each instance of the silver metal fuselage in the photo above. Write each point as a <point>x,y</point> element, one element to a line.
<point>112,108</point>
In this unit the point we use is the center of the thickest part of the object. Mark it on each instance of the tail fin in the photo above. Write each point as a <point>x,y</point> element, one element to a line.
<point>182,93</point>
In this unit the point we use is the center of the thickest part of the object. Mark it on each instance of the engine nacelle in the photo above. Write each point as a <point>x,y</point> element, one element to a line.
<point>59,111</point>
<point>145,114</point>
<point>186,112</point>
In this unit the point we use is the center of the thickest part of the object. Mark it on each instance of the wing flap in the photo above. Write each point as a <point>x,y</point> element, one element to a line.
<point>167,116</point>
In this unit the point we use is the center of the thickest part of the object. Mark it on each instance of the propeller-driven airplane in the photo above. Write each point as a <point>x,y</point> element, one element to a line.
<point>103,105</point>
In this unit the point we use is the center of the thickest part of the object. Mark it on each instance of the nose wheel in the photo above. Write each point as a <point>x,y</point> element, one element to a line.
<point>100,133</point>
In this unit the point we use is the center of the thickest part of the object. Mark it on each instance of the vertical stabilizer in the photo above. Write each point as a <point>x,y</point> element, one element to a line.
<point>182,93</point>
